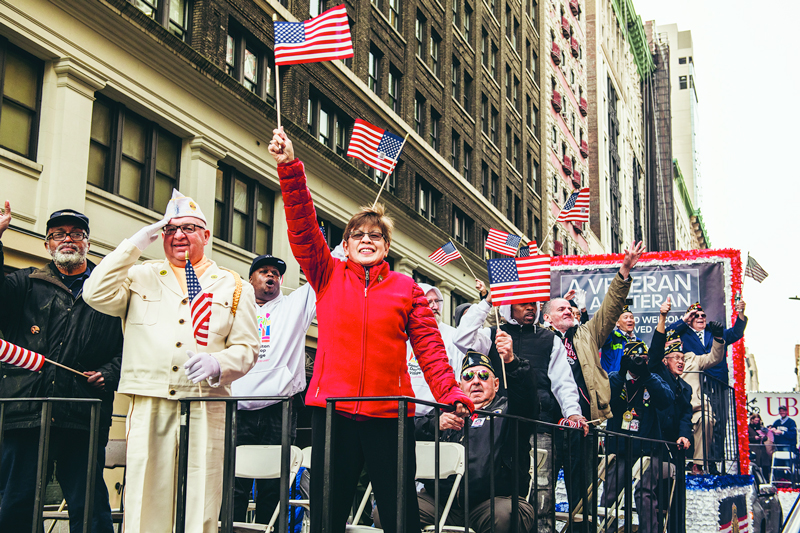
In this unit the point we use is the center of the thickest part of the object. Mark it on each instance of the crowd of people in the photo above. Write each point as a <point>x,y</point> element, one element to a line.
<point>129,327</point>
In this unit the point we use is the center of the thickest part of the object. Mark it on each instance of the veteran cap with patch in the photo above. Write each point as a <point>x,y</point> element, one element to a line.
<point>183,206</point>
<point>473,358</point>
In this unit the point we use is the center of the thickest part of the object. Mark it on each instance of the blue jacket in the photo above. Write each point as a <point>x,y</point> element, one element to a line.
<point>691,343</point>
<point>612,350</point>
<point>789,438</point>
<point>647,396</point>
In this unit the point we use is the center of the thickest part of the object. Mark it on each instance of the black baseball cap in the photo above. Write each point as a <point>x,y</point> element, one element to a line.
<point>68,216</point>
<point>270,260</point>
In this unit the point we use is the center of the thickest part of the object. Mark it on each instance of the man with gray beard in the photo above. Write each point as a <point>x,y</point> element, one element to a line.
<point>43,310</point>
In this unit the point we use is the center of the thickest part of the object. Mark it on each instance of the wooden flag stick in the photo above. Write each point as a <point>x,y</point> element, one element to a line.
<point>465,261</point>
<point>66,368</point>
<point>502,363</point>
<point>277,81</point>
<point>386,179</point>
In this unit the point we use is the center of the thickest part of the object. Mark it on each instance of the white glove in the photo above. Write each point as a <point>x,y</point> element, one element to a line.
<point>338,252</point>
<point>201,366</point>
<point>148,234</point>
<point>580,298</point>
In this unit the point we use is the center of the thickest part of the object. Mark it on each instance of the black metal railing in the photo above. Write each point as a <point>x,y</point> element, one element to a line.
<point>718,418</point>
<point>44,449</point>
<point>229,459</point>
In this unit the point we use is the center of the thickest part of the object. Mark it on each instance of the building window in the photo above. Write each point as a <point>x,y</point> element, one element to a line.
<point>495,187</point>
<point>462,227</point>
<point>682,82</point>
<point>434,139</point>
<point>485,49</point>
<point>427,200</point>
<point>251,64</point>
<point>514,41</point>
<point>132,157</point>
<point>21,100</point>
<point>172,14</point>
<point>374,74</point>
<point>467,92</point>
<point>333,233</point>
<point>515,94</point>
<point>455,143</point>
<point>419,33</point>
<point>494,126</point>
<point>508,22</point>
<point>532,7</point>
<point>515,155</point>
<point>467,22</point>
<point>456,300</point>
<point>535,172</point>
<point>378,4</point>
<point>508,81</point>
<point>681,60</point>
<point>328,123</point>
<point>394,89</point>
<point>517,211</point>
<point>394,14</point>
<point>536,226</point>
<point>435,40</point>
<point>243,211</point>
<point>493,69</point>
<point>419,102</point>
<point>508,143</point>
<point>484,114</point>
<point>509,206</point>
<point>455,70</point>
<point>378,177</point>
<point>485,180</point>
<point>455,13</point>
<point>422,278</point>
<point>467,162</point>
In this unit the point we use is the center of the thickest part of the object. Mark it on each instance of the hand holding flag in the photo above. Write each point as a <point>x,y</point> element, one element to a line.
<point>28,359</point>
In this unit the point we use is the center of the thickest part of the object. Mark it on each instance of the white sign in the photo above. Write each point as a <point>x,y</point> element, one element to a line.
<point>767,404</point>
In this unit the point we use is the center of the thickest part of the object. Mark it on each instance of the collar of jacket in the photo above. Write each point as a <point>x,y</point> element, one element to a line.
<point>50,274</point>
<point>375,271</point>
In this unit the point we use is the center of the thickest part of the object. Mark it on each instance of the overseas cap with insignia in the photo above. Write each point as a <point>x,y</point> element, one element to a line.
<point>635,349</point>
<point>626,309</point>
<point>695,307</point>
<point>183,206</point>
<point>474,358</point>
<point>673,343</point>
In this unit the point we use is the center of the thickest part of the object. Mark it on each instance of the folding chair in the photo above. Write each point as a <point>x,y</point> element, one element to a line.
<point>451,463</point>
<point>264,462</point>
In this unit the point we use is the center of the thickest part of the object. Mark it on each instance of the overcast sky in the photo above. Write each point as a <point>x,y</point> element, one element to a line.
<point>746,74</point>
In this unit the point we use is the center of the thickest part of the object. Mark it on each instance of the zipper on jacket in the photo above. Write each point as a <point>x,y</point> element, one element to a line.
<point>363,338</point>
<point>366,280</point>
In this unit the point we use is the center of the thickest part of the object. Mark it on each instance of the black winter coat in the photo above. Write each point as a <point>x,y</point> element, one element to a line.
<point>38,312</point>
<point>522,401</point>
<point>675,420</point>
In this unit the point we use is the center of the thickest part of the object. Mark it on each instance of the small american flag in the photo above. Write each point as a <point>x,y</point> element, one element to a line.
<point>378,148</point>
<point>201,306</point>
<point>323,38</point>
<point>22,357</point>
<point>519,279</point>
<point>502,242</point>
<point>531,249</point>
<point>577,207</point>
<point>754,270</point>
<point>445,254</point>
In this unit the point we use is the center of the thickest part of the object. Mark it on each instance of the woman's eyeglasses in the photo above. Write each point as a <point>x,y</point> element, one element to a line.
<point>469,375</point>
<point>373,235</point>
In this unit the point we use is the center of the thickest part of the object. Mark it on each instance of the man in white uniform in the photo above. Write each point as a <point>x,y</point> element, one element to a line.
<point>163,361</point>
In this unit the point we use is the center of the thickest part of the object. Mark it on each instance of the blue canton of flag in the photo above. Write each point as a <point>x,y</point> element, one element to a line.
<point>389,146</point>
<point>290,32</point>
<point>524,251</point>
<point>502,270</point>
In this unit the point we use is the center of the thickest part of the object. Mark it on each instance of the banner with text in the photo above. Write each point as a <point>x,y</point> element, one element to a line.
<point>684,283</point>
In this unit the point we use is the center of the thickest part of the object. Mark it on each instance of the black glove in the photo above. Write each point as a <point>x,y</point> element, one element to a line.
<point>624,366</point>
<point>716,329</point>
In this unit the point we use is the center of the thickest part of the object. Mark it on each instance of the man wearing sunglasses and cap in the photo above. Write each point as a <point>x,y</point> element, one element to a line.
<point>479,381</point>
<point>43,310</point>
<point>695,339</point>
<point>172,352</point>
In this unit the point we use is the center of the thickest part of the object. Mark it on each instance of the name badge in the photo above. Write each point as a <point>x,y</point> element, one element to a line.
<point>478,422</point>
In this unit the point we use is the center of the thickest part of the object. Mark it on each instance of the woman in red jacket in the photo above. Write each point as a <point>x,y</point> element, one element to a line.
<point>366,313</point>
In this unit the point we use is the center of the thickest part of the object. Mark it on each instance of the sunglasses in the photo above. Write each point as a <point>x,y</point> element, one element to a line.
<point>469,375</point>
<point>700,315</point>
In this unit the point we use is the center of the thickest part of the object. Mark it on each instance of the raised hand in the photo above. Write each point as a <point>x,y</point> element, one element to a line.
<point>281,147</point>
<point>666,306</point>
<point>632,256</point>
<point>689,317</point>
<point>5,218</point>
<point>481,286</point>
<point>570,295</point>
<point>740,306</point>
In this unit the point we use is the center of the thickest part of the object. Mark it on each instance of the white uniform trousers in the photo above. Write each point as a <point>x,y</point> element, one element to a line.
<point>153,428</point>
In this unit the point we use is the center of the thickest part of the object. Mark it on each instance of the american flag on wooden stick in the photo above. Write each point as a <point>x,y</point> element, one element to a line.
<point>502,242</point>
<point>445,254</point>
<point>201,306</point>
<point>577,207</point>
<point>754,270</point>
<point>322,38</point>
<point>22,357</point>
<point>519,279</point>
<point>378,148</point>
<point>531,249</point>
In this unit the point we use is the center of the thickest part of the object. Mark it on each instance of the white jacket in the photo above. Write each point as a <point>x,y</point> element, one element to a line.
<point>157,324</point>
<point>280,369</point>
<point>471,336</point>
<point>418,383</point>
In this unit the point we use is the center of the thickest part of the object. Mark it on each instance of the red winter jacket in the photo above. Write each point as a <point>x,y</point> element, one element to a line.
<point>364,320</point>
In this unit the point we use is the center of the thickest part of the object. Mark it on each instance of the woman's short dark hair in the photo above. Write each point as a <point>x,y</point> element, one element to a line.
<point>369,216</point>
